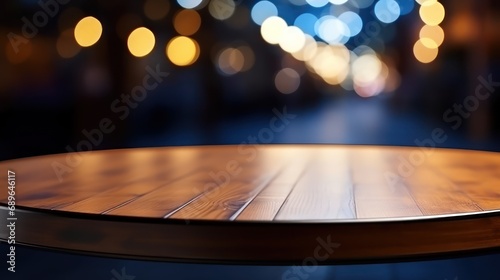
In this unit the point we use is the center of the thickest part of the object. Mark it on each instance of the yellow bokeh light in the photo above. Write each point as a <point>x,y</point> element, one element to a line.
<point>366,69</point>
<point>425,1</point>
<point>88,31</point>
<point>272,29</point>
<point>308,50</point>
<point>183,51</point>
<point>423,53</point>
<point>187,22</point>
<point>141,42</point>
<point>156,9</point>
<point>432,13</point>
<point>433,33</point>
<point>292,39</point>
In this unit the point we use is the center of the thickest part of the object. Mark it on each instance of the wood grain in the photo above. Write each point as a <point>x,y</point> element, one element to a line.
<point>311,187</point>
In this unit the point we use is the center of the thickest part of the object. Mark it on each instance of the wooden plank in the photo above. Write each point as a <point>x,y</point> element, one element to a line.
<point>324,191</point>
<point>267,203</point>
<point>377,194</point>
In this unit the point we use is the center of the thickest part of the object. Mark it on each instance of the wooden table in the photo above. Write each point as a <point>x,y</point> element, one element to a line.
<point>274,204</point>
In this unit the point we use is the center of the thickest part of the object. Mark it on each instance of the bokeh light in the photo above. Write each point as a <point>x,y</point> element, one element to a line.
<point>353,22</point>
<point>141,42</point>
<point>156,9</point>
<point>332,30</point>
<point>287,80</point>
<point>249,56</point>
<point>262,10</point>
<point>88,31</point>
<point>338,2</point>
<point>317,3</point>
<point>182,51</point>
<point>66,44</point>
<point>292,39</point>
<point>308,51</point>
<point>366,69</point>
<point>189,4</point>
<point>387,11</point>
<point>432,13</point>
<point>187,22</point>
<point>272,29</point>
<point>221,9</point>
<point>423,53</point>
<point>434,34</point>
<point>306,23</point>
<point>230,61</point>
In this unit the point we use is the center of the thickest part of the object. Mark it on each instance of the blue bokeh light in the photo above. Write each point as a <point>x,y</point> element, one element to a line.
<point>387,11</point>
<point>306,23</point>
<point>263,10</point>
<point>353,22</point>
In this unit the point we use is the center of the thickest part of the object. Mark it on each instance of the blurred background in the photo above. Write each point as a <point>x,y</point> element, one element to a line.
<point>89,75</point>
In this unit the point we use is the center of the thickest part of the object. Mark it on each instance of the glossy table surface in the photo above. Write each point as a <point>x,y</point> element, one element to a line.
<point>259,204</point>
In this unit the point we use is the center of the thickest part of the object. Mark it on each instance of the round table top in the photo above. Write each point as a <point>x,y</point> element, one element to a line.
<point>258,203</point>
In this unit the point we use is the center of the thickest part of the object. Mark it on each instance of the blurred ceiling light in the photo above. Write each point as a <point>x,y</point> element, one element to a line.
<point>66,45</point>
<point>431,36</point>
<point>221,9</point>
<point>287,80</point>
<point>230,61</point>
<point>423,53</point>
<point>189,4</point>
<point>292,40</point>
<point>387,11</point>
<point>88,31</point>
<point>272,29</point>
<point>187,22</point>
<point>141,42</point>
<point>156,9</point>
<point>182,51</point>
<point>432,13</point>
<point>262,10</point>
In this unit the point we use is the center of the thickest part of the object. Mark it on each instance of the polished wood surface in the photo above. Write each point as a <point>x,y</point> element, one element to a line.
<point>214,193</point>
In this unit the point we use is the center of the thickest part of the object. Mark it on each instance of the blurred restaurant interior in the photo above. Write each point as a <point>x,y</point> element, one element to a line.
<point>198,72</point>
